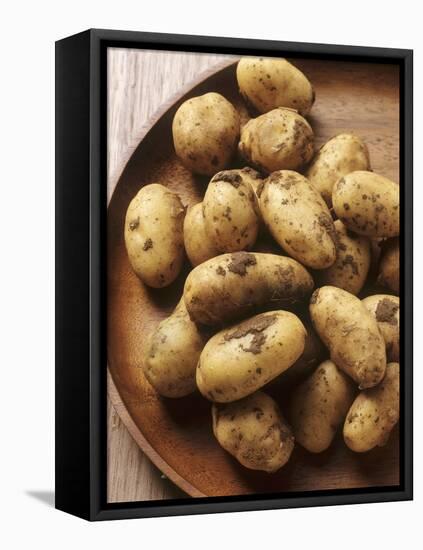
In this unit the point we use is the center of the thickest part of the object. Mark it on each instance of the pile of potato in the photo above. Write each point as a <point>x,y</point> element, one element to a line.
<point>291,318</point>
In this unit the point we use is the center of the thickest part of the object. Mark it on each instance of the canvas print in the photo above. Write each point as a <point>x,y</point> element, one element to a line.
<point>253,313</point>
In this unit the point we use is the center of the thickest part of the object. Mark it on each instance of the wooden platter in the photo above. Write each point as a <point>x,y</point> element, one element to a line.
<point>176,434</point>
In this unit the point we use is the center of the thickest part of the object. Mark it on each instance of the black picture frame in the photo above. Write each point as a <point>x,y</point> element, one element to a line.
<point>81,361</point>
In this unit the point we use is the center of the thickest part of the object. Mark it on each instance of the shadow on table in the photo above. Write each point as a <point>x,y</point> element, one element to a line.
<point>46,497</point>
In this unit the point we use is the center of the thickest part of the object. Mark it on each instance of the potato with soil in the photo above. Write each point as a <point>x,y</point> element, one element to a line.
<point>154,235</point>
<point>386,310</point>
<point>241,359</point>
<point>353,258</point>
<point>351,334</point>
<point>319,406</point>
<point>232,286</point>
<point>172,354</point>
<point>205,133</point>
<point>198,245</point>
<point>231,212</point>
<point>278,140</point>
<point>368,204</point>
<point>298,218</point>
<point>389,266</point>
<point>254,431</point>
<point>338,157</point>
<point>268,83</point>
<point>374,413</point>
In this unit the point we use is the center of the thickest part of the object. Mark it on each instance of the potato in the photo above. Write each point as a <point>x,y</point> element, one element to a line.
<point>374,413</point>
<point>351,334</point>
<point>319,406</point>
<point>338,157</point>
<point>386,310</point>
<point>254,431</point>
<point>198,245</point>
<point>205,133</point>
<point>231,212</point>
<point>239,360</point>
<point>298,218</point>
<point>353,258</point>
<point>270,83</point>
<point>368,204</point>
<point>278,140</point>
<point>251,176</point>
<point>154,235</point>
<point>389,267</point>
<point>172,353</point>
<point>232,286</point>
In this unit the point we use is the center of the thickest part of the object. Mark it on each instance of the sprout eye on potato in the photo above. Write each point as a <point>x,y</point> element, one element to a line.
<point>374,413</point>
<point>298,218</point>
<point>367,203</point>
<point>353,258</point>
<point>386,310</point>
<point>172,354</point>
<point>319,406</point>
<point>205,133</point>
<point>232,286</point>
<point>154,235</point>
<point>351,334</point>
<point>254,431</point>
<point>389,266</point>
<point>278,140</point>
<point>231,213</point>
<point>241,359</point>
<point>270,83</point>
<point>338,157</point>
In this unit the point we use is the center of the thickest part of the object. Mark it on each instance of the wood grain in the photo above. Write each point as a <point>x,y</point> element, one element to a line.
<point>350,97</point>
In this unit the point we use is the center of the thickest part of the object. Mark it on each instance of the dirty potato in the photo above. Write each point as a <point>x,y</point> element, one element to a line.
<point>154,235</point>
<point>386,310</point>
<point>232,286</point>
<point>198,245</point>
<point>298,218</point>
<point>319,406</point>
<point>338,157</point>
<point>374,413</point>
<point>254,431</point>
<point>241,359</point>
<point>172,354</point>
<point>351,334</point>
<point>278,140</point>
<point>389,266</point>
<point>353,257</point>
<point>268,83</point>
<point>231,213</point>
<point>205,133</point>
<point>367,203</point>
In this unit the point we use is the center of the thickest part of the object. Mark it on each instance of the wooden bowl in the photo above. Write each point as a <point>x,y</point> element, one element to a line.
<point>176,434</point>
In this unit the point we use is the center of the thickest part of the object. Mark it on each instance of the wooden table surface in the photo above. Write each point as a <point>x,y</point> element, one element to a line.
<point>139,82</point>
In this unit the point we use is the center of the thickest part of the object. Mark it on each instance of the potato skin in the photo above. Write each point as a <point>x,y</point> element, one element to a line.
<point>198,245</point>
<point>231,212</point>
<point>389,266</point>
<point>386,310</point>
<point>278,140</point>
<point>353,258</point>
<point>338,157</point>
<point>172,354</point>
<point>367,203</point>
<point>351,334</point>
<point>374,413</point>
<point>298,218</point>
<point>205,133</point>
<point>154,235</point>
<point>270,83</point>
<point>239,360</point>
<point>232,286</point>
<point>319,406</point>
<point>254,431</point>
